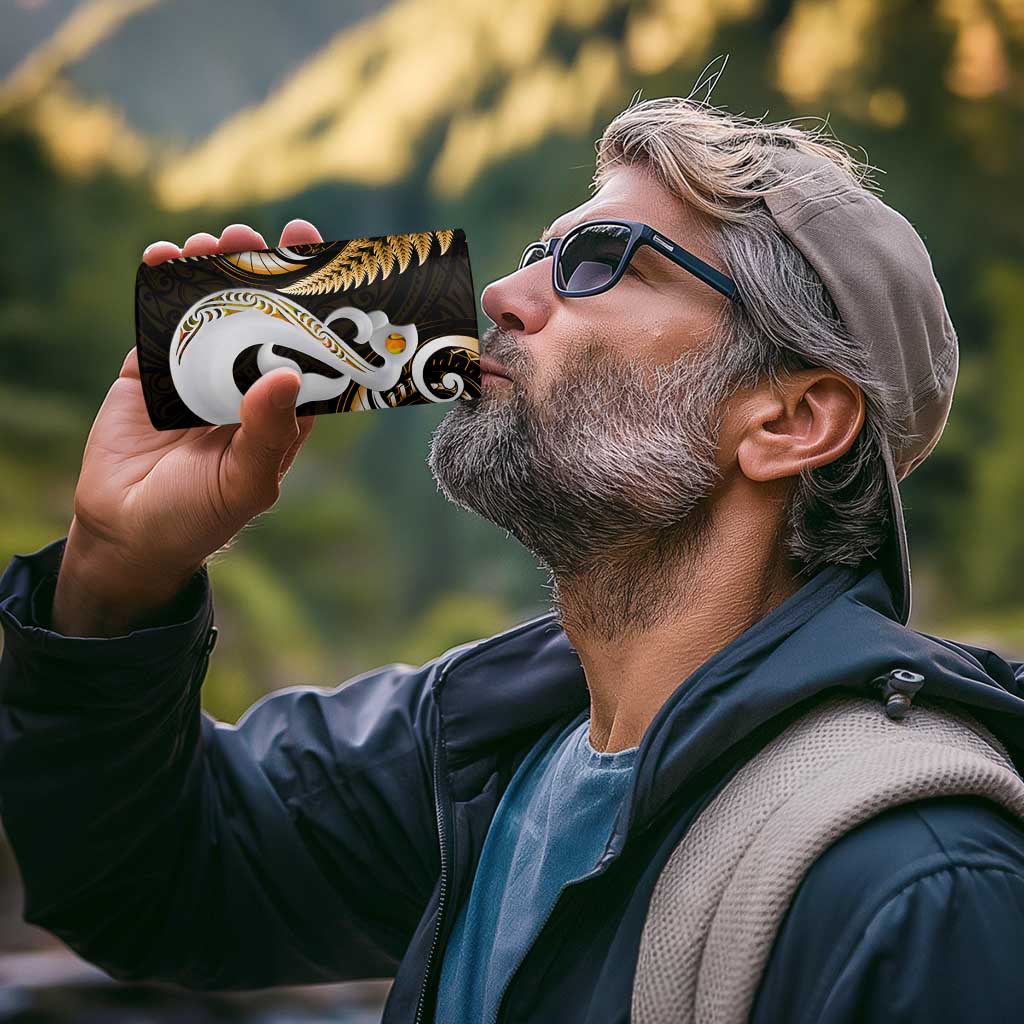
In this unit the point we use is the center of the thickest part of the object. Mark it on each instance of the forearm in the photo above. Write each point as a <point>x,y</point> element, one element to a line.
<point>98,751</point>
<point>297,847</point>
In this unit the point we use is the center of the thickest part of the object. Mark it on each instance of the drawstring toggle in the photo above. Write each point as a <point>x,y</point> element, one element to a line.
<point>898,686</point>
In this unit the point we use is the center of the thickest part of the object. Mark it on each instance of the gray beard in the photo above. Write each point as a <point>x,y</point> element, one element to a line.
<point>605,479</point>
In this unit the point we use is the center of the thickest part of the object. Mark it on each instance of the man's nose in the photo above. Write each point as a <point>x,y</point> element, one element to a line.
<point>521,301</point>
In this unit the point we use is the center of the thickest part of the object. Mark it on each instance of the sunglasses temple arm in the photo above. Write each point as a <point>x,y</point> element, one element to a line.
<point>696,266</point>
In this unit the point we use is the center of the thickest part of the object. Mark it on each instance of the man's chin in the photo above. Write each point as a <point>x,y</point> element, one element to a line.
<point>466,444</point>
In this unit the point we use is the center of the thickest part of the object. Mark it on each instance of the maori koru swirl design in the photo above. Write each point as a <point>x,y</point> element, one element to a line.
<point>215,331</point>
<point>218,328</point>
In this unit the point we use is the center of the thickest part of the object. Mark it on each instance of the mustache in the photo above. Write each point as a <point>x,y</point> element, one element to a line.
<point>501,346</point>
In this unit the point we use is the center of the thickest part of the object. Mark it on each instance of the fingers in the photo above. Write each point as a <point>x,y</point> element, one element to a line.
<point>305,429</point>
<point>267,434</point>
<point>299,232</point>
<point>157,252</point>
<point>202,243</point>
<point>240,238</point>
<point>130,366</point>
<point>234,238</point>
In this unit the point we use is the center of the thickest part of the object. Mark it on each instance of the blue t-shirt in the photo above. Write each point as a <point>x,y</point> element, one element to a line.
<point>550,827</point>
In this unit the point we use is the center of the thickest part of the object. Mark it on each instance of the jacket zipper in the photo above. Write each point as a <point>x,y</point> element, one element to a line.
<point>443,887</point>
<point>593,873</point>
<point>439,808</point>
<point>204,663</point>
<point>599,869</point>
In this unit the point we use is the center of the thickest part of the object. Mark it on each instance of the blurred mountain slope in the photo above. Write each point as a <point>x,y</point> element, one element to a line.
<point>255,101</point>
<point>421,114</point>
<point>172,87</point>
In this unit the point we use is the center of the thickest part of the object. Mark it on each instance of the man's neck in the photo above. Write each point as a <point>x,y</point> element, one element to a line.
<point>641,626</point>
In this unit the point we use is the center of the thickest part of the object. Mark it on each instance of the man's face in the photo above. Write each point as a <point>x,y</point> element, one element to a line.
<point>604,440</point>
<point>656,312</point>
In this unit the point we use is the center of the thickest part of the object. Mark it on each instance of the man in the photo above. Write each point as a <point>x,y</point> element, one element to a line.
<point>712,385</point>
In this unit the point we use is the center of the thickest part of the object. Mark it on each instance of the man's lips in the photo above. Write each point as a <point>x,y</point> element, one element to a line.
<point>488,365</point>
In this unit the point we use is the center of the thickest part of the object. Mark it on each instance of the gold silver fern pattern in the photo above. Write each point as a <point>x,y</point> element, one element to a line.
<point>363,260</point>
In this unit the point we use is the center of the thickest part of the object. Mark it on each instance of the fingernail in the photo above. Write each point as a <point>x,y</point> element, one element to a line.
<point>285,392</point>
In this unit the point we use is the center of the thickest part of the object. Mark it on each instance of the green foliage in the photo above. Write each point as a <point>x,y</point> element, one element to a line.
<point>454,618</point>
<point>992,538</point>
<point>363,562</point>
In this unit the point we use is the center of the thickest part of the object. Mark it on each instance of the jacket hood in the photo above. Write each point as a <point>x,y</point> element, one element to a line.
<point>838,632</point>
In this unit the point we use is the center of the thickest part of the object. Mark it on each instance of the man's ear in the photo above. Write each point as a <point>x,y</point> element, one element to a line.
<point>811,420</point>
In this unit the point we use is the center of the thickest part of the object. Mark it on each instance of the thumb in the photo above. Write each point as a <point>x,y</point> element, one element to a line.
<point>268,431</point>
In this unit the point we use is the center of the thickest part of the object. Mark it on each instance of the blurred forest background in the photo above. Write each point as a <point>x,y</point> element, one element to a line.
<point>127,122</point>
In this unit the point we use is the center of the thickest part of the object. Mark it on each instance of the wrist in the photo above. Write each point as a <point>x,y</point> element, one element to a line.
<point>101,591</point>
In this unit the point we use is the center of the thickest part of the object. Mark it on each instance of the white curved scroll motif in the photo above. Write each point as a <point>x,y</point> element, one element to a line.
<point>220,326</point>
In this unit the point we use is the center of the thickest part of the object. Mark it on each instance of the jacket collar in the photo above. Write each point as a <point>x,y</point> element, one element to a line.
<point>840,630</point>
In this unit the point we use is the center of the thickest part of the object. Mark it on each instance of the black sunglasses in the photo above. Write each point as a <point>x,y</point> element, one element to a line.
<point>594,255</point>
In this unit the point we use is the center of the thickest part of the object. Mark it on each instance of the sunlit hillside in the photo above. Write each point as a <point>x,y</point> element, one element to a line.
<point>460,84</point>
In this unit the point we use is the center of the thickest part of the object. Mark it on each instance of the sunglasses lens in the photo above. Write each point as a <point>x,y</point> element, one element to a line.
<point>591,255</point>
<point>531,254</point>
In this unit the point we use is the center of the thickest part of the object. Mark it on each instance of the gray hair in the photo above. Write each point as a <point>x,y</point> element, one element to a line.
<point>720,164</point>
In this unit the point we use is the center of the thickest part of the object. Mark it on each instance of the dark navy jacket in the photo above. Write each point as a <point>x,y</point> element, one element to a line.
<point>333,832</point>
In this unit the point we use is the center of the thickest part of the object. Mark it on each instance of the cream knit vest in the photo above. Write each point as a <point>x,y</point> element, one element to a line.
<point>723,892</point>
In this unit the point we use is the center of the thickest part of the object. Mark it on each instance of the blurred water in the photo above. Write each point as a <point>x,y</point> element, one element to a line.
<point>56,987</point>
